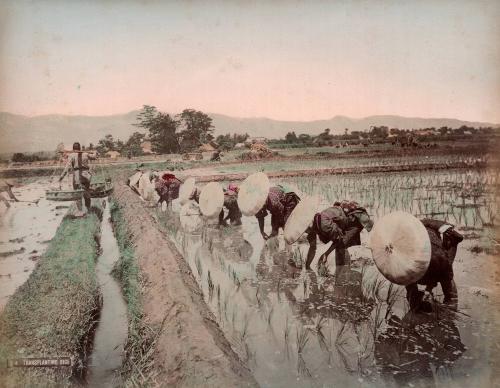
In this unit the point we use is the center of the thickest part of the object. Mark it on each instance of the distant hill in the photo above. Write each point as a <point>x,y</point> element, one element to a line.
<point>26,134</point>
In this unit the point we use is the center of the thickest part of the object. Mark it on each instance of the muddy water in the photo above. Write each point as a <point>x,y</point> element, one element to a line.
<point>111,332</point>
<point>25,230</point>
<point>345,327</point>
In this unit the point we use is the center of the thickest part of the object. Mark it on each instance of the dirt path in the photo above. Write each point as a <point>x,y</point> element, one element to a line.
<point>191,350</point>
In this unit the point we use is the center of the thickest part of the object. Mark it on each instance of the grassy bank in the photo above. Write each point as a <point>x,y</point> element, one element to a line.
<point>137,364</point>
<point>54,311</point>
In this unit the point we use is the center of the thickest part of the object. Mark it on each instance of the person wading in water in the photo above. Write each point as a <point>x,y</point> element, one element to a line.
<point>280,203</point>
<point>341,225</point>
<point>231,204</point>
<point>444,241</point>
<point>78,164</point>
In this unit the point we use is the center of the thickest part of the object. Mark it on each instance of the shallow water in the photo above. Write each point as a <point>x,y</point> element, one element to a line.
<point>25,230</point>
<point>347,327</point>
<point>111,332</point>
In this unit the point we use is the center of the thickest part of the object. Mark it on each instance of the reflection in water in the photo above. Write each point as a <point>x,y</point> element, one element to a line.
<point>426,346</point>
<point>297,328</point>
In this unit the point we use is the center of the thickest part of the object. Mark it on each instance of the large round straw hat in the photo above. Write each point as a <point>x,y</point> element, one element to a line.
<point>253,193</point>
<point>401,247</point>
<point>211,199</point>
<point>190,217</point>
<point>301,218</point>
<point>186,190</point>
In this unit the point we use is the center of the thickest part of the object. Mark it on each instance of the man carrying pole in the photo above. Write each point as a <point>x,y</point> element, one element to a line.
<point>78,164</point>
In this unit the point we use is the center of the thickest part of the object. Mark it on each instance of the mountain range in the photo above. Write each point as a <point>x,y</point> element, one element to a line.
<point>28,134</point>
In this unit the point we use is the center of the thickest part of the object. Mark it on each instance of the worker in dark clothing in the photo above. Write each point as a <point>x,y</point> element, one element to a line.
<point>444,242</point>
<point>195,195</point>
<point>231,204</point>
<point>216,156</point>
<point>167,186</point>
<point>341,225</point>
<point>280,203</point>
<point>78,164</point>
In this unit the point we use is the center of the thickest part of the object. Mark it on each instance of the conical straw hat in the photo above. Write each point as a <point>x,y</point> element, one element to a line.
<point>401,247</point>
<point>186,190</point>
<point>211,199</point>
<point>253,193</point>
<point>301,218</point>
<point>190,217</point>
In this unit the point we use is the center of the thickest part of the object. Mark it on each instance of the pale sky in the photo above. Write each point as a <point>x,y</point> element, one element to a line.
<point>288,60</point>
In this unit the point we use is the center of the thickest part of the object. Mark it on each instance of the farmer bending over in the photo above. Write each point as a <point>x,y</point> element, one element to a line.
<point>280,203</point>
<point>444,242</point>
<point>78,163</point>
<point>231,204</point>
<point>341,225</point>
<point>7,187</point>
<point>167,186</point>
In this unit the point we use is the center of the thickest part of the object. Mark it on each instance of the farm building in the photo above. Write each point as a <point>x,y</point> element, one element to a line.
<point>112,154</point>
<point>146,147</point>
<point>206,148</point>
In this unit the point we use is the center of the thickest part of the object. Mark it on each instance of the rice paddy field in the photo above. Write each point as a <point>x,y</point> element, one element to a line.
<point>359,162</point>
<point>349,326</point>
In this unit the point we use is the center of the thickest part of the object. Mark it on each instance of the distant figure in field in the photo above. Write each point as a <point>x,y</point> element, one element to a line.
<point>444,242</point>
<point>6,186</point>
<point>78,164</point>
<point>216,156</point>
<point>341,225</point>
<point>280,203</point>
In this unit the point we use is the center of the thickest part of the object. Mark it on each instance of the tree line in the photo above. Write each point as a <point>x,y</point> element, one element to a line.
<point>167,133</point>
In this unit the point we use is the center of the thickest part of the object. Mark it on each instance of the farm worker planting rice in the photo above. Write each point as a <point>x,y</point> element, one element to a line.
<point>195,195</point>
<point>280,203</point>
<point>231,204</point>
<point>167,186</point>
<point>444,242</point>
<point>7,187</point>
<point>409,251</point>
<point>341,225</point>
<point>78,164</point>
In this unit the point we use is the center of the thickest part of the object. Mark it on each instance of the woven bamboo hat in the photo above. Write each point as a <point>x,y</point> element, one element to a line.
<point>401,247</point>
<point>253,193</point>
<point>301,218</point>
<point>186,190</point>
<point>211,199</point>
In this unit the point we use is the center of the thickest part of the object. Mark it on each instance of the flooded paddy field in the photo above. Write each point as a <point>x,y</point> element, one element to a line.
<point>361,161</point>
<point>26,227</point>
<point>349,326</point>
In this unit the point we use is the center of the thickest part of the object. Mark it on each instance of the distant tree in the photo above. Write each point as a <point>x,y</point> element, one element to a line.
<point>346,131</point>
<point>304,138</point>
<point>196,129</point>
<point>132,146</point>
<point>91,146</point>
<point>106,144</point>
<point>162,129</point>
<point>225,142</point>
<point>291,137</point>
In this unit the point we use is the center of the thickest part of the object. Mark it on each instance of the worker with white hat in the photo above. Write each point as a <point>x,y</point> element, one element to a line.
<point>444,242</point>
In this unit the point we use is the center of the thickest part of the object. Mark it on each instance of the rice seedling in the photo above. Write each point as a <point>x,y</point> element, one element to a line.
<point>210,286</point>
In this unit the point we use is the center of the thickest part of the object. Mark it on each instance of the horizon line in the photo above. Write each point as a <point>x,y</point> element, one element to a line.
<point>256,117</point>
